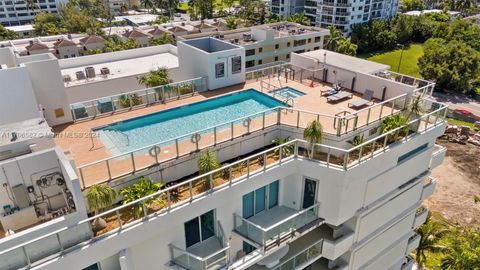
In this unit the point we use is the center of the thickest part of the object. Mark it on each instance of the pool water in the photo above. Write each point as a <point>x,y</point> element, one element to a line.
<point>150,129</point>
<point>286,93</point>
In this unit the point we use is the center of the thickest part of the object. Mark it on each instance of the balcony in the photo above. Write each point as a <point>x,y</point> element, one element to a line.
<point>210,254</point>
<point>334,248</point>
<point>438,156</point>
<point>408,264</point>
<point>277,225</point>
<point>302,252</point>
<point>428,187</point>
<point>413,243</point>
<point>420,217</point>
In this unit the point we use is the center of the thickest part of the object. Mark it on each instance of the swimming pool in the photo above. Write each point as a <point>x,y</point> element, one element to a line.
<point>286,92</point>
<point>170,124</point>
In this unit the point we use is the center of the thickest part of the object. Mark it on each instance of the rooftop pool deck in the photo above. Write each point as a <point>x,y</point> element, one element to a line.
<point>85,149</point>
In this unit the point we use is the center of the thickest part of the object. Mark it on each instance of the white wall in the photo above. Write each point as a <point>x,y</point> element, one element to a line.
<point>17,102</point>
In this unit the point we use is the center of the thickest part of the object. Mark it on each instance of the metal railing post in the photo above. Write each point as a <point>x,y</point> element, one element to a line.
<point>381,111</point>
<point>133,161</point>
<point>215,135</point>
<point>82,177</point>
<point>263,120</point>
<point>278,115</point>
<point>190,190</point>
<point>108,169</point>
<point>117,213</point>
<point>368,115</point>
<point>298,119</point>
<point>231,127</point>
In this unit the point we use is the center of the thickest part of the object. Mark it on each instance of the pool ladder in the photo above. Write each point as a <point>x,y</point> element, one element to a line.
<point>288,101</point>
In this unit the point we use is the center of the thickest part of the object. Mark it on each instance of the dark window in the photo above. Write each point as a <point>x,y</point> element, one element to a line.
<point>260,50</point>
<point>317,39</point>
<point>288,44</point>
<point>276,58</point>
<point>299,42</point>
<point>200,228</point>
<point>259,62</point>
<point>250,63</point>
<point>316,48</point>
<point>219,70</point>
<point>277,46</point>
<point>288,56</point>
<point>412,153</point>
<point>236,64</point>
<point>250,52</point>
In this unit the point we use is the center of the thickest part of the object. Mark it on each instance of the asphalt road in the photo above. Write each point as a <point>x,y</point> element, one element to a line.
<point>458,101</point>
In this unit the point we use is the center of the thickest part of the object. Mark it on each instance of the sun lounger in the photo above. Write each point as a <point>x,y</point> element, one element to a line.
<point>328,92</point>
<point>367,98</point>
<point>339,96</point>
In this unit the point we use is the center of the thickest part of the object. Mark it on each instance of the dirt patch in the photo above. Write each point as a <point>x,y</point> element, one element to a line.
<point>458,181</point>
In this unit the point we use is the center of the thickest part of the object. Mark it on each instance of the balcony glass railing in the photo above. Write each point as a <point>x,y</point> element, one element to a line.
<point>275,233</point>
<point>303,257</point>
<point>187,260</point>
<point>136,99</point>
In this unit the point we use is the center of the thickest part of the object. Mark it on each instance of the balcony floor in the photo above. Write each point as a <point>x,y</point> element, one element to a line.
<point>205,248</point>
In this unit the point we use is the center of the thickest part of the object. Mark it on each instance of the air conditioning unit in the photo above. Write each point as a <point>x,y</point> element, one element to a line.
<point>80,75</point>
<point>67,78</point>
<point>247,36</point>
<point>104,71</point>
<point>90,71</point>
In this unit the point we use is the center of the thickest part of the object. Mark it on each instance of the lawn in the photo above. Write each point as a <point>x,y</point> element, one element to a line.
<point>218,5</point>
<point>409,60</point>
<point>457,122</point>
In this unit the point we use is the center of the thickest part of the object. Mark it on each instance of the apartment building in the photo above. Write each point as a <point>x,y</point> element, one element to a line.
<point>291,205</point>
<point>340,13</point>
<point>271,42</point>
<point>17,13</point>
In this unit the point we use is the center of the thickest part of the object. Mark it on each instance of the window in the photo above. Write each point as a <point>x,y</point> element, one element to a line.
<point>250,52</point>
<point>288,44</point>
<point>219,70</point>
<point>276,58</point>
<point>309,40</point>
<point>200,228</point>
<point>318,39</point>
<point>288,56</point>
<point>316,48</point>
<point>412,153</point>
<point>260,50</point>
<point>236,64</point>
<point>260,200</point>
<point>299,42</point>
<point>277,46</point>
<point>250,63</point>
<point>259,62</point>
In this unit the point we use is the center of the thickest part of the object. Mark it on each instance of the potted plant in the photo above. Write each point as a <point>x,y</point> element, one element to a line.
<point>392,122</point>
<point>207,161</point>
<point>313,133</point>
<point>141,189</point>
<point>100,196</point>
<point>287,150</point>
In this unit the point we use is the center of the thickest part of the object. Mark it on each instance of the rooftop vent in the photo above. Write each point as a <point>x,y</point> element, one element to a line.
<point>237,41</point>
<point>104,71</point>
<point>80,75</point>
<point>247,37</point>
<point>90,71</point>
<point>221,36</point>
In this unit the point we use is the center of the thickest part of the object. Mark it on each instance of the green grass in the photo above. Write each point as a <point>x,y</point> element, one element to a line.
<point>218,5</point>
<point>409,60</point>
<point>457,122</point>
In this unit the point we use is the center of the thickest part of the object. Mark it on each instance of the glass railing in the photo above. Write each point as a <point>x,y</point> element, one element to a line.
<point>265,236</point>
<point>128,163</point>
<point>302,258</point>
<point>136,99</point>
<point>187,191</point>
<point>187,260</point>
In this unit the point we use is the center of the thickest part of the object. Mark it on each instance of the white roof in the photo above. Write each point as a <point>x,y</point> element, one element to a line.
<point>126,67</point>
<point>137,19</point>
<point>20,28</point>
<point>346,62</point>
<point>25,130</point>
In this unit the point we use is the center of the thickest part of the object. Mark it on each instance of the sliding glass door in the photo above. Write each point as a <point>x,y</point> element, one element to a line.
<point>200,228</point>
<point>309,193</point>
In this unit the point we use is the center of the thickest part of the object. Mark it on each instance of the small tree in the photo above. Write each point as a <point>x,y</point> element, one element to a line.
<point>431,233</point>
<point>231,22</point>
<point>415,106</point>
<point>100,196</point>
<point>141,189</point>
<point>286,149</point>
<point>207,162</point>
<point>313,133</point>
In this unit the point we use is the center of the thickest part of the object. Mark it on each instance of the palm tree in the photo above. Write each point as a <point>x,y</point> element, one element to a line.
<point>347,47</point>
<point>287,150</point>
<point>313,133</point>
<point>463,250</point>
<point>148,4</point>
<point>415,106</point>
<point>207,162</point>
<point>431,233</point>
<point>334,39</point>
<point>142,188</point>
<point>299,18</point>
<point>100,196</point>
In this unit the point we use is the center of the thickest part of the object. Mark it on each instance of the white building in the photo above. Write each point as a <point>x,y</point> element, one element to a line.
<point>342,13</point>
<point>296,205</point>
<point>14,12</point>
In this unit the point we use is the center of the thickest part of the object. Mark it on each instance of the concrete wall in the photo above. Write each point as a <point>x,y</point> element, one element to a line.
<point>7,57</point>
<point>17,102</point>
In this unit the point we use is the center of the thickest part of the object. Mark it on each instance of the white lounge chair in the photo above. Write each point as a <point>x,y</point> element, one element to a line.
<point>339,96</point>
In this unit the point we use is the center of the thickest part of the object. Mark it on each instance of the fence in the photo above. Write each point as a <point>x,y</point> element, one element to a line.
<point>136,99</point>
<point>187,191</point>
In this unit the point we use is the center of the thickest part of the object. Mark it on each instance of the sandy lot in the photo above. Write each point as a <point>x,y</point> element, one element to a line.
<point>458,180</point>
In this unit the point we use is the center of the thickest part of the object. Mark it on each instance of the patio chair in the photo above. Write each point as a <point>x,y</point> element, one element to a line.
<point>328,92</point>
<point>366,98</point>
<point>339,96</point>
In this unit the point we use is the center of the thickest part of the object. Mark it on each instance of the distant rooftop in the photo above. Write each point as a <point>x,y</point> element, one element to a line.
<point>24,130</point>
<point>122,66</point>
<point>346,62</point>
<point>210,45</point>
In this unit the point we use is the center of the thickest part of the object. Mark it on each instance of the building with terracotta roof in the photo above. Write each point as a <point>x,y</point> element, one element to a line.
<point>178,30</point>
<point>91,42</point>
<point>141,38</point>
<point>36,48</point>
<point>66,48</point>
<point>157,32</point>
<point>203,27</point>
